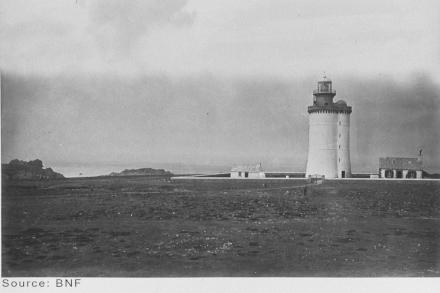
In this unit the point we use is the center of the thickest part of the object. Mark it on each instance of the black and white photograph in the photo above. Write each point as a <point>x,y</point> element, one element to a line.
<point>220,139</point>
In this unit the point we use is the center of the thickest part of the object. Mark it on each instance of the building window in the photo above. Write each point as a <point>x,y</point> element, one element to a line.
<point>339,160</point>
<point>339,135</point>
<point>339,122</point>
<point>411,174</point>
<point>339,146</point>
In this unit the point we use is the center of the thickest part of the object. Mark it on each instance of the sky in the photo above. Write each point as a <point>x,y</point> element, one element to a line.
<point>112,84</point>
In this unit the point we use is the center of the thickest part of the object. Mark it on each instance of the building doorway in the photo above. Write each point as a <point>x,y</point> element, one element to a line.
<point>388,173</point>
<point>343,174</point>
<point>399,174</point>
<point>246,174</point>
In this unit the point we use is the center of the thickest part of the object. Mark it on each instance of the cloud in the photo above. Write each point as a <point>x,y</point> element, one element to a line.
<point>119,24</point>
<point>233,38</point>
<point>47,36</point>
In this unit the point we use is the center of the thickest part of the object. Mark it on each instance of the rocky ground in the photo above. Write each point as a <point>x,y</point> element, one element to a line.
<point>142,227</point>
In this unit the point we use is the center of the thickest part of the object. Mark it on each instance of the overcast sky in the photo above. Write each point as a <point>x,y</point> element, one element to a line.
<point>214,82</point>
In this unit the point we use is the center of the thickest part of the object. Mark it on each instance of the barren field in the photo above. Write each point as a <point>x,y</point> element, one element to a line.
<point>149,227</point>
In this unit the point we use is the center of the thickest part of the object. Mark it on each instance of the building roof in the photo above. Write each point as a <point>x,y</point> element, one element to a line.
<point>400,163</point>
<point>248,168</point>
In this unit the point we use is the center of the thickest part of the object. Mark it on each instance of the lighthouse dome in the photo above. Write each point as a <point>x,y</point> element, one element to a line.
<point>341,103</point>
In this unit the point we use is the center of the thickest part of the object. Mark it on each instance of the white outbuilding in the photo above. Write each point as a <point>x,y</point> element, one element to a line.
<point>252,172</point>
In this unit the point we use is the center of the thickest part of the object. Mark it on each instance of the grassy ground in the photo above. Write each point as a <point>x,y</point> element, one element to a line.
<point>142,227</point>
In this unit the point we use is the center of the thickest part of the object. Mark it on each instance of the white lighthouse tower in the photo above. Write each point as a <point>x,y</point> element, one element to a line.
<point>329,134</point>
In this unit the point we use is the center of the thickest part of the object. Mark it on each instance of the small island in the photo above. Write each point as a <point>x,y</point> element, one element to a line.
<point>143,172</point>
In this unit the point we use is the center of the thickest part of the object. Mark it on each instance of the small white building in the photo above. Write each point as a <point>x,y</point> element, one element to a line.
<point>252,172</point>
<point>392,167</point>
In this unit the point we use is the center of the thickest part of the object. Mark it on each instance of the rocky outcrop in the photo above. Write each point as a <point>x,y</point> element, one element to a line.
<point>142,172</point>
<point>17,169</point>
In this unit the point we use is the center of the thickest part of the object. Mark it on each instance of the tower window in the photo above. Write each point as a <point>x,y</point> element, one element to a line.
<point>339,160</point>
<point>339,146</point>
<point>339,122</point>
<point>339,135</point>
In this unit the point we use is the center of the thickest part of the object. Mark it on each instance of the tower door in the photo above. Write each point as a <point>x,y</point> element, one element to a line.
<point>343,174</point>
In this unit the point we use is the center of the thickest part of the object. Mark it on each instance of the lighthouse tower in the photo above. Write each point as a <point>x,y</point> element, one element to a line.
<point>329,134</point>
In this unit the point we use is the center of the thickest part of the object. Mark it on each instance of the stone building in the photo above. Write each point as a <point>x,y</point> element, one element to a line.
<point>254,172</point>
<point>329,134</point>
<point>392,167</point>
